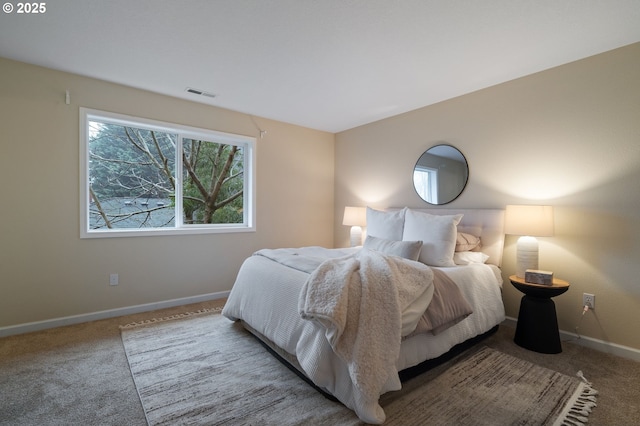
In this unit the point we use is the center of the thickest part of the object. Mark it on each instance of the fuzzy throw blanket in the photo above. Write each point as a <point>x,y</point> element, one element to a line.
<point>359,300</point>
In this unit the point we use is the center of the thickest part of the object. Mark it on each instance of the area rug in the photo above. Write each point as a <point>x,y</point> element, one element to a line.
<point>202,369</point>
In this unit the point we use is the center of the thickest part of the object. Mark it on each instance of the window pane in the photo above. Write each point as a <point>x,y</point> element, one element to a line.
<point>421,183</point>
<point>131,177</point>
<point>213,182</point>
<point>425,181</point>
<point>147,177</point>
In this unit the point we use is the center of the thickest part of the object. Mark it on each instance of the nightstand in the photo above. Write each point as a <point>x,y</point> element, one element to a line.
<point>537,328</point>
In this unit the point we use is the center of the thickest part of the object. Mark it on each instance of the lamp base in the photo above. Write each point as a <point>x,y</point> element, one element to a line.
<point>527,256</point>
<point>356,236</point>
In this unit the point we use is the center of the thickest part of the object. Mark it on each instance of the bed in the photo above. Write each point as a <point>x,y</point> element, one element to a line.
<point>332,315</point>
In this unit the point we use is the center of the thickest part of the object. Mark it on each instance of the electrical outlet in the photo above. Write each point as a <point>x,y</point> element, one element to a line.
<point>589,300</point>
<point>113,279</point>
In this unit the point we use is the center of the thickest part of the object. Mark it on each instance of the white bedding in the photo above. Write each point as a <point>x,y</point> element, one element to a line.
<point>266,296</point>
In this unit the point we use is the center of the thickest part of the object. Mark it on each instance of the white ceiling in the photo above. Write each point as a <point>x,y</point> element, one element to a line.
<point>324,64</point>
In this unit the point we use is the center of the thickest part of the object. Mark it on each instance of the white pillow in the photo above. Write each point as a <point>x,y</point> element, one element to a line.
<point>437,233</point>
<point>406,249</point>
<point>467,257</point>
<point>387,225</point>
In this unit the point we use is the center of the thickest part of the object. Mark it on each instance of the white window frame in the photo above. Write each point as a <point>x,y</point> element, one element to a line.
<point>430,192</point>
<point>184,132</point>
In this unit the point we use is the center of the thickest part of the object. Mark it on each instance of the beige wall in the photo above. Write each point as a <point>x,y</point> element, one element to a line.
<point>569,137</point>
<point>47,271</point>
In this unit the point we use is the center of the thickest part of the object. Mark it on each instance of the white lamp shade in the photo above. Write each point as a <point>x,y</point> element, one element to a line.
<point>534,221</point>
<point>355,216</point>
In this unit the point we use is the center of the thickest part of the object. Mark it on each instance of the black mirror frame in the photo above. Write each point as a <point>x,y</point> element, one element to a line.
<point>464,185</point>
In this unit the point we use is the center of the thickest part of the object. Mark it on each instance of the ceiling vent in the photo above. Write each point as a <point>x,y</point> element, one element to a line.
<point>200,92</point>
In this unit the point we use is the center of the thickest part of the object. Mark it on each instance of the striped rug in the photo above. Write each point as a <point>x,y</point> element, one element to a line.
<point>202,369</point>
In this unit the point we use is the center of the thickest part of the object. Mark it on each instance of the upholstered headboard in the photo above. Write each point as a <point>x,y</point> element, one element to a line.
<point>488,224</point>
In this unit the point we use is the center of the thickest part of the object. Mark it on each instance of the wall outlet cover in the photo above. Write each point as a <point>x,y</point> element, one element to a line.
<point>113,279</point>
<point>589,300</point>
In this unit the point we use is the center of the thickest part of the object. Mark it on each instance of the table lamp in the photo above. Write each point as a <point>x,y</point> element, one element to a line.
<point>529,222</point>
<point>356,217</point>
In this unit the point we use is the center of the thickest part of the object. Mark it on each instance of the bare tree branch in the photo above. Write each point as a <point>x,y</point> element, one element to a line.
<point>165,161</point>
<point>99,207</point>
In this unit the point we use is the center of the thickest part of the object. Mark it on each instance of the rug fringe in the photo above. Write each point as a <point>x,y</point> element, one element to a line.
<point>579,407</point>
<point>171,317</point>
<point>584,379</point>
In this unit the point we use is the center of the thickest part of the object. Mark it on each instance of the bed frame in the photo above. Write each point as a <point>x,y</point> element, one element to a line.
<point>291,362</point>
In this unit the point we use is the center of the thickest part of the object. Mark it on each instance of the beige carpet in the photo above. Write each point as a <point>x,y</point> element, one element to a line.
<point>204,369</point>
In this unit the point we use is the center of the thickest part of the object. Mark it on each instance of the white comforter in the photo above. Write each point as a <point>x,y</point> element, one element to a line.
<point>359,300</point>
<point>266,296</point>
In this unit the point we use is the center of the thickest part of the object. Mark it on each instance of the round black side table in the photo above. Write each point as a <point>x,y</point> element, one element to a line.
<point>537,328</point>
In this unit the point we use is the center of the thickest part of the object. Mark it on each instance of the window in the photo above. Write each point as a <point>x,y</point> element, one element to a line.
<point>425,180</point>
<point>143,177</point>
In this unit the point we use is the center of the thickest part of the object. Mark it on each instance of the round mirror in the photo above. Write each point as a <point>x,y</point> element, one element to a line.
<point>440,174</point>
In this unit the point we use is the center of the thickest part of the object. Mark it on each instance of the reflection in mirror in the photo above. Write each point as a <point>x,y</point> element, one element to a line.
<point>440,174</point>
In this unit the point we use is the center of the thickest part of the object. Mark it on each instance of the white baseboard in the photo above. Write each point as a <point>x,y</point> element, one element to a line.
<point>599,345</point>
<point>111,313</point>
<point>588,342</point>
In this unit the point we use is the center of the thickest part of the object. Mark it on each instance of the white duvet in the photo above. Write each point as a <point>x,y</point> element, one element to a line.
<point>359,300</point>
<point>266,296</point>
